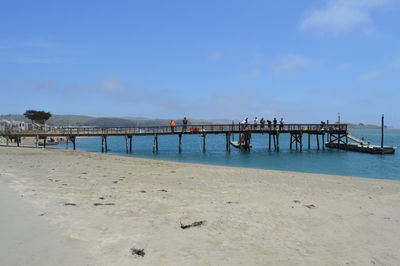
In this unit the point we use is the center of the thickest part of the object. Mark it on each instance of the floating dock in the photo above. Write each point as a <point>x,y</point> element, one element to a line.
<point>360,145</point>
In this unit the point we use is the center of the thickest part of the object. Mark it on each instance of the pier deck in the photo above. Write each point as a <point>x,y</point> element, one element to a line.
<point>190,129</point>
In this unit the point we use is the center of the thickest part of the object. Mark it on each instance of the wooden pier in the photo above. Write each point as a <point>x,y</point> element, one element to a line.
<point>332,133</point>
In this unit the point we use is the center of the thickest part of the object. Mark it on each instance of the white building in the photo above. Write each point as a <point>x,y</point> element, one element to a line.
<point>4,124</point>
<point>19,125</point>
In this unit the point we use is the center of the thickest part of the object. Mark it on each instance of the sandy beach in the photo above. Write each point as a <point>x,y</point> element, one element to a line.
<point>78,208</point>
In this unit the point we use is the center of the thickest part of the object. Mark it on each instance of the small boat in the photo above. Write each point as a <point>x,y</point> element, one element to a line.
<point>48,143</point>
<point>238,145</point>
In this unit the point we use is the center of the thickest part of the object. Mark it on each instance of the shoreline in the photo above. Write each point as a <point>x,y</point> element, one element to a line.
<point>111,203</point>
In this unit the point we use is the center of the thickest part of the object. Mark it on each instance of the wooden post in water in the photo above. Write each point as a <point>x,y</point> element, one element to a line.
<point>274,136</point>
<point>317,141</point>
<point>44,141</point>
<point>155,143</point>
<point>277,142</point>
<point>247,141</point>
<point>102,143</point>
<point>126,144</point>
<point>130,144</point>
<point>66,142</point>
<point>180,142</point>
<point>204,142</point>
<point>309,144</point>
<point>301,141</point>
<point>382,126</point>
<point>105,144</point>
<point>291,140</point>
<point>323,141</point>
<point>228,144</point>
<point>269,142</point>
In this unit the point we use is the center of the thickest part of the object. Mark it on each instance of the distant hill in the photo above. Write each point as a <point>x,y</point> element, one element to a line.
<point>55,120</point>
<point>363,126</point>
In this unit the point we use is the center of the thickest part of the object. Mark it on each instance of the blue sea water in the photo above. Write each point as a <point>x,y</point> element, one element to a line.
<point>330,161</point>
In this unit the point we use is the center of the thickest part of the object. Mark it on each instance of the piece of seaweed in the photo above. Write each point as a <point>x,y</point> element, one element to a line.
<point>194,224</point>
<point>138,252</point>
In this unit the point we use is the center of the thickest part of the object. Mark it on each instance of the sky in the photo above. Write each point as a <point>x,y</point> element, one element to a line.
<point>303,60</point>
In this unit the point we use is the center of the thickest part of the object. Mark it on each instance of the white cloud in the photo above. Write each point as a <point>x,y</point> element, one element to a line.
<point>341,16</point>
<point>294,61</point>
<point>371,75</point>
<point>252,68</point>
<point>112,84</point>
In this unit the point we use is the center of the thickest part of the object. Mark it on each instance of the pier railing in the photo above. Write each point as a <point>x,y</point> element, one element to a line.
<point>196,129</point>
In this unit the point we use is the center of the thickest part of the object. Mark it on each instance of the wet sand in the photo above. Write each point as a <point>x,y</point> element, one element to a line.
<point>80,208</point>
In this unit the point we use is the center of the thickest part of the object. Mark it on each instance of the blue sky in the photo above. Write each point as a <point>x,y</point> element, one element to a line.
<point>303,60</point>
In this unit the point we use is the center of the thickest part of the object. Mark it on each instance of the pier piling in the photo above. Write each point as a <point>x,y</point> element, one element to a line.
<point>204,142</point>
<point>180,142</point>
<point>227,142</point>
<point>155,143</point>
<point>269,141</point>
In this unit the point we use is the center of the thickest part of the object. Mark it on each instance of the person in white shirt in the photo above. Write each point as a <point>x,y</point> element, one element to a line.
<point>255,122</point>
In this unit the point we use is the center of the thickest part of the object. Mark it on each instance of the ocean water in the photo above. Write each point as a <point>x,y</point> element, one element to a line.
<point>330,161</point>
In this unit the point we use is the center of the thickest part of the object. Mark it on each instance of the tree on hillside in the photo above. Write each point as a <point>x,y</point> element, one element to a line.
<point>37,116</point>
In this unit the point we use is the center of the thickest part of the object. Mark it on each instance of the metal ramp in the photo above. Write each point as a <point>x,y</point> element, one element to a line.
<point>356,139</point>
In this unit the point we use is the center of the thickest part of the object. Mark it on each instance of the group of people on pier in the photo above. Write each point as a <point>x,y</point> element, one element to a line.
<point>256,123</point>
<point>185,122</point>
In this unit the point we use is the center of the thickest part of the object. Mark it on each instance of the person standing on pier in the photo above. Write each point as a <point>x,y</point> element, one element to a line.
<point>172,125</point>
<point>255,122</point>
<point>275,122</point>
<point>262,123</point>
<point>184,122</point>
<point>244,123</point>
<point>281,123</point>
<point>269,124</point>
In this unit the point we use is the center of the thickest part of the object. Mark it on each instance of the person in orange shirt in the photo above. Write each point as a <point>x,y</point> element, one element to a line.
<point>172,125</point>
